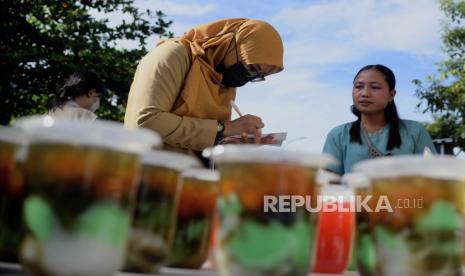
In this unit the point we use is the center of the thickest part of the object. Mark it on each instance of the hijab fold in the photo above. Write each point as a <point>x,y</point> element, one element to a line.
<point>208,45</point>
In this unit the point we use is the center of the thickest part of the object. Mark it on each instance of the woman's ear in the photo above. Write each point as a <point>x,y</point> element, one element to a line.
<point>392,94</point>
<point>92,93</point>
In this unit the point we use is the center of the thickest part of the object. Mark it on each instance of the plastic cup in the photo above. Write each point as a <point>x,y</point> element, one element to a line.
<point>363,249</point>
<point>154,222</point>
<point>260,232</point>
<point>12,147</point>
<point>81,179</point>
<point>417,224</point>
<point>195,214</point>
<point>335,229</point>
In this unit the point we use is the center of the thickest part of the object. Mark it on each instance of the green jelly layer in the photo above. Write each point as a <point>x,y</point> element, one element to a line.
<point>264,247</point>
<point>104,221</point>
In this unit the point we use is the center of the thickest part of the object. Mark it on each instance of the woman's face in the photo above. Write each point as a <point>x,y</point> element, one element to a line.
<point>371,93</point>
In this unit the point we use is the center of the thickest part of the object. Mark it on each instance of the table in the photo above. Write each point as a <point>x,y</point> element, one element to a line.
<point>15,270</point>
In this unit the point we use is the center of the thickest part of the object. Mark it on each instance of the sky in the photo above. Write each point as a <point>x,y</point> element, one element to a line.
<point>325,43</point>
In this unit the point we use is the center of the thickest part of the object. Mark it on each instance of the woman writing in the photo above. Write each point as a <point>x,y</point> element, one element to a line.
<point>183,88</point>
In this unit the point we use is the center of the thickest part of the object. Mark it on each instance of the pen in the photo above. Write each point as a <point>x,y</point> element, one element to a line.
<point>236,108</point>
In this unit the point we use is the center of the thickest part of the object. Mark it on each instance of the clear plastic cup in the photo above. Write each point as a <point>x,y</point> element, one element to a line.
<point>417,220</point>
<point>336,225</point>
<point>261,231</point>
<point>12,147</point>
<point>81,181</point>
<point>195,214</point>
<point>364,248</point>
<point>154,222</point>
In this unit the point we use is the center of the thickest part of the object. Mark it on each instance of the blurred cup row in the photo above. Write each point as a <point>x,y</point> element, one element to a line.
<point>79,198</point>
<point>409,218</point>
<point>406,213</point>
<point>82,198</point>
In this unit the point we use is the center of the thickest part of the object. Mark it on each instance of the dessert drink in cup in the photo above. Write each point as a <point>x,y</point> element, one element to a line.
<point>417,225</point>
<point>265,227</point>
<point>12,153</point>
<point>81,180</point>
<point>335,229</point>
<point>195,216</point>
<point>154,223</point>
<point>363,249</point>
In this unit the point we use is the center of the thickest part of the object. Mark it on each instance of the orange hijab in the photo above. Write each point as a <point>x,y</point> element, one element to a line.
<point>202,96</point>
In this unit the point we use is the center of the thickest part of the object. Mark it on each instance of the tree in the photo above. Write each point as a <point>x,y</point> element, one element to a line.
<point>44,41</point>
<point>445,95</point>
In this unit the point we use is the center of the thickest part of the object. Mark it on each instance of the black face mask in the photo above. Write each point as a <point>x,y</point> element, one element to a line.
<point>235,76</point>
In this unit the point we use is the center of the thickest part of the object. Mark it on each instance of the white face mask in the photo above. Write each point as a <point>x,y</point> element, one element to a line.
<point>95,105</point>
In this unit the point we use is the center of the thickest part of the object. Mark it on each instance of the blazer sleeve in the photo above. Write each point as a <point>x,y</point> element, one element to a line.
<point>157,83</point>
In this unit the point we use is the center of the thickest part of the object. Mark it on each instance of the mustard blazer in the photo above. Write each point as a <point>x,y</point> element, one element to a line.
<point>157,83</point>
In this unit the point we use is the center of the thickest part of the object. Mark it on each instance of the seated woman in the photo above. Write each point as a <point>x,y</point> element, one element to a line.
<point>378,130</point>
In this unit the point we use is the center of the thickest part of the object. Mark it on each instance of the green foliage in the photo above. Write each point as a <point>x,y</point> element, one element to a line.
<point>444,96</point>
<point>44,41</point>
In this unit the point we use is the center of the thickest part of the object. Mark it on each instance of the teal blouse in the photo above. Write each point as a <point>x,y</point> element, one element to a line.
<point>413,135</point>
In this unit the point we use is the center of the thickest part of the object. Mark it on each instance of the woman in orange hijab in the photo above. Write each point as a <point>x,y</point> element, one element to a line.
<point>183,87</point>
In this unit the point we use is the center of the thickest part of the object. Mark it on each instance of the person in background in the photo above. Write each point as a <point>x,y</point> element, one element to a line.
<point>183,87</point>
<point>79,97</point>
<point>378,130</point>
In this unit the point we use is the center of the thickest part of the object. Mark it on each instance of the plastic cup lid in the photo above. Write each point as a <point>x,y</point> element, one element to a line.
<point>256,154</point>
<point>105,134</point>
<point>202,174</point>
<point>12,135</point>
<point>440,167</point>
<point>169,159</point>
<point>355,180</point>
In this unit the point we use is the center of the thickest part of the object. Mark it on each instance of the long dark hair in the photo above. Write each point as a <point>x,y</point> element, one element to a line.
<point>79,83</point>
<point>390,112</point>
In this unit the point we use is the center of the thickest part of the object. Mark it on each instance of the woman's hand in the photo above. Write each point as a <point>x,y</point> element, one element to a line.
<point>247,124</point>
